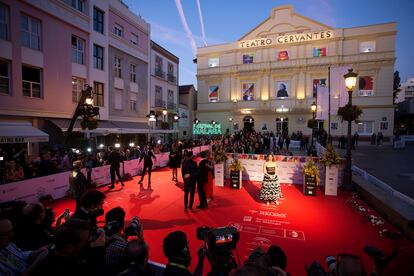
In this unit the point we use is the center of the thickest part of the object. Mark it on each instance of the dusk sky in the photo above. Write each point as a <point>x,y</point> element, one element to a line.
<point>228,20</point>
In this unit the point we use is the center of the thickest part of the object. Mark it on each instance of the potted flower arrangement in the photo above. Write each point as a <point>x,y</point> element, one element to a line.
<point>236,168</point>
<point>349,113</point>
<point>310,177</point>
<point>220,158</point>
<point>331,161</point>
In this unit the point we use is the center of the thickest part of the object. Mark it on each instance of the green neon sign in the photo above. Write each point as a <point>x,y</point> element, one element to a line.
<point>207,129</point>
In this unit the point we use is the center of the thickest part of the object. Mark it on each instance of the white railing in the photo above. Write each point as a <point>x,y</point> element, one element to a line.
<point>372,180</point>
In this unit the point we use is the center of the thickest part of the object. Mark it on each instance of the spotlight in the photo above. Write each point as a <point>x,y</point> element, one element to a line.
<point>117,145</point>
<point>159,141</point>
<point>89,150</point>
<point>101,146</point>
<point>131,145</point>
<point>77,151</point>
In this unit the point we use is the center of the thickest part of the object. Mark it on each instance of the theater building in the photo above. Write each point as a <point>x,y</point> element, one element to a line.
<point>269,78</point>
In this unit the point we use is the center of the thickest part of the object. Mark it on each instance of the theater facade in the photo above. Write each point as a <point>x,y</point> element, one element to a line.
<point>268,79</point>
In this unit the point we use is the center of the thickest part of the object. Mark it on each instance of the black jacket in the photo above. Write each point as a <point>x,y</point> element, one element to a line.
<point>115,158</point>
<point>147,156</point>
<point>190,167</point>
<point>203,171</point>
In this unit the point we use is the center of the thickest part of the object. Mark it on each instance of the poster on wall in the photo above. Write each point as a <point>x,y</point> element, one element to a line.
<point>319,52</point>
<point>316,82</point>
<point>213,93</point>
<point>283,55</point>
<point>247,58</point>
<point>282,89</point>
<point>184,117</point>
<point>248,91</point>
<point>366,86</point>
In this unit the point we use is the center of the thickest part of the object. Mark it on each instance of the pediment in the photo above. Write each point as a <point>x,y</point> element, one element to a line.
<point>284,20</point>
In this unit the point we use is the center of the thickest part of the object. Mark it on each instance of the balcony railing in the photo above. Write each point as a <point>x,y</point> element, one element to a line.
<point>172,78</point>
<point>159,103</point>
<point>171,106</point>
<point>159,73</point>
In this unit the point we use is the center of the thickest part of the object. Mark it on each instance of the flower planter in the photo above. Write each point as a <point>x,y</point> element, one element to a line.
<point>219,174</point>
<point>331,180</point>
<point>236,179</point>
<point>309,185</point>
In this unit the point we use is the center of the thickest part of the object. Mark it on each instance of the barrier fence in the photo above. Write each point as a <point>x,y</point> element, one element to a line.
<point>372,180</point>
<point>57,185</point>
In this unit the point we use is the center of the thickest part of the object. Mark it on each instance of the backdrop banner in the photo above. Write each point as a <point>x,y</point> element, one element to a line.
<point>289,168</point>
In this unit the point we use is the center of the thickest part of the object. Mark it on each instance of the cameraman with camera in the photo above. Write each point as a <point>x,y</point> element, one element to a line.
<point>175,247</point>
<point>118,237</point>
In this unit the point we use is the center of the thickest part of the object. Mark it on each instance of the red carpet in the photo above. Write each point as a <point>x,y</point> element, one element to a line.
<point>307,228</point>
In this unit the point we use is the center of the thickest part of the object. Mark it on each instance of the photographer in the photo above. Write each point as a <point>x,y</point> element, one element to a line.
<point>91,207</point>
<point>73,252</point>
<point>175,247</point>
<point>114,228</point>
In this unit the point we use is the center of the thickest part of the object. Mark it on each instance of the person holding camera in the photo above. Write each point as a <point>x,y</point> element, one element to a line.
<point>74,252</point>
<point>175,248</point>
<point>91,207</point>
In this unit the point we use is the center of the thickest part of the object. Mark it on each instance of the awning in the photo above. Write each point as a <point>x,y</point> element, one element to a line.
<point>21,132</point>
<point>111,127</point>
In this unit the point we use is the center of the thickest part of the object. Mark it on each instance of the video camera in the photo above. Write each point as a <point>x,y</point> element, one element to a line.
<point>134,227</point>
<point>219,243</point>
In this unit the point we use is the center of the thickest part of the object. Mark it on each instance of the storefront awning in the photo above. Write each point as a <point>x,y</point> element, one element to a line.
<point>111,127</point>
<point>20,132</point>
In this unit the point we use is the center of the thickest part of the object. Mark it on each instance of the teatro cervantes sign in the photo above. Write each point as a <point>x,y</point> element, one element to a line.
<point>285,39</point>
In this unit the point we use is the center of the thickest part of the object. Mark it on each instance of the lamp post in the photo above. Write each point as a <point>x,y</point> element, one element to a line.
<point>230,121</point>
<point>350,82</point>
<point>152,118</point>
<point>164,116</point>
<point>176,118</point>
<point>196,122</point>
<point>313,109</point>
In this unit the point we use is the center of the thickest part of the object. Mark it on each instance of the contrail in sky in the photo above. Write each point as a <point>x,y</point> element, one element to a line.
<point>185,25</point>
<point>200,14</point>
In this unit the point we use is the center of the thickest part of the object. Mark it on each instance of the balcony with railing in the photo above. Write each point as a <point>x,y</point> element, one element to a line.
<point>172,78</point>
<point>159,103</point>
<point>159,73</point>
<point>172,105</point>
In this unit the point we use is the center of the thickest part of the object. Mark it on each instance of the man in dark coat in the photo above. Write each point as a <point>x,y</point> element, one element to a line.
<point>202,180</point>
<point>78,183</point>
<point>114,159</point>
<point>147,155</point>
<point>189,171</point>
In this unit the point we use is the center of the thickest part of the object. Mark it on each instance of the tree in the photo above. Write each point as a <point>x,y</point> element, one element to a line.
<point>396,86</point>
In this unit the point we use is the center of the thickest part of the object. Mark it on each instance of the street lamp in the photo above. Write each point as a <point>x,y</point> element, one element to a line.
<point>176,118</point>
<point>350,82</point>
<point>313,109</point>
<point>152,118</point>
<point>164,117</point>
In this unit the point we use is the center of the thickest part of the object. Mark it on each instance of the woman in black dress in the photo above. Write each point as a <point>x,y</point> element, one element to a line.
<point>174,161</point>
<point>270,191</point>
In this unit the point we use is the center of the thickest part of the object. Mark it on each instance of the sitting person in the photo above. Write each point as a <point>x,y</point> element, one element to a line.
<point>14,261</point>
<point>175,247</point>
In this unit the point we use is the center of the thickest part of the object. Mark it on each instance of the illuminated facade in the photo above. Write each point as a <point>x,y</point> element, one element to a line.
<point>269,78</point>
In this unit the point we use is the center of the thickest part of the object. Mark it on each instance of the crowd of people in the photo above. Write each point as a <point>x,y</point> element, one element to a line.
<point>33,241</point>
